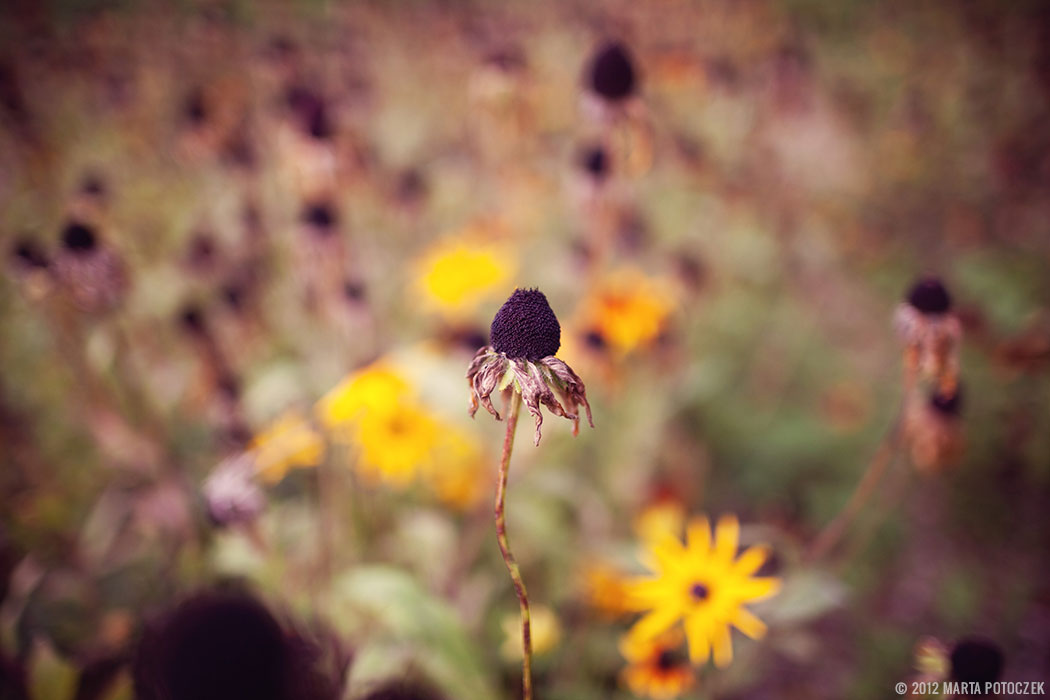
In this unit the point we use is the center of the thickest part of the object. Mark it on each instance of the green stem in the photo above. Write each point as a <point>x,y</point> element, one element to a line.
<point>504,548</point>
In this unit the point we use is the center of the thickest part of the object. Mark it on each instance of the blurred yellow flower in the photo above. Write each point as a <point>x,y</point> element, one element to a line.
<point>660,518</point>
<point>627,310</point>
<point>457,470</point>
<point>703,584</point>
<point>457,273</point>
<point>546,632</point>
<point>394,443</point>
<point>657,668</point>
<point>288,442</point>
<point>605,589</point>
<point>377,388</point>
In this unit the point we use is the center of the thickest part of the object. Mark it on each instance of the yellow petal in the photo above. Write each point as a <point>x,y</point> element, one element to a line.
<point>696,635</point>
<point>654,623</point>
<point>757,588</point>
<point>727,536</point>
<point>750,625</point>
<point>751,560</point>
<point>723,646</point>
<point>699,534</point>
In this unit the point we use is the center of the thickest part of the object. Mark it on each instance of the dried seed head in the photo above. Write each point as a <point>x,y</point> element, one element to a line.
<point>595,161</point>
<point>947,404</point>
<point>79,238</point>
<point>612,72</point>
<point>929,296</point>
<point>525,327</point>
<point>975,659</point>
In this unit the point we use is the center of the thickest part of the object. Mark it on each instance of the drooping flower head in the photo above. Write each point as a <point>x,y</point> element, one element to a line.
<point>525,334</point>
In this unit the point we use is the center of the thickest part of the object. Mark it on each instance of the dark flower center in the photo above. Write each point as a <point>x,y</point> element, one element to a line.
<point>668,659</point>
<point>612,73</point>
<point>525,327</point>
<point>976,660</point>
<point>78,238</point>
<point>929,296</point>
<point>700,592</point>
<point>947,405</point>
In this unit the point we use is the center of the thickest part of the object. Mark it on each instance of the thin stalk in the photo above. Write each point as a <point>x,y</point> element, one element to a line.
<point>830,536</point>
<point>504,548</point>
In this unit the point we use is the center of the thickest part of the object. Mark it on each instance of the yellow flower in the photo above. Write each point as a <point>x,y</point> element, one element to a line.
<point>457,470</point>
<point>377,388</point>
<point>703,584</point>
<point>657,668</point>
<point>660,518</point>
<point>605,589</point>
<point>546,632</point>
<point>628,310</point>
<point>394,443</point>
<point>288,442</point>
<point>455,274</point>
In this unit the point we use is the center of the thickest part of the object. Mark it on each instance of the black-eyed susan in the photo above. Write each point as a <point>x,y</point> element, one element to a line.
<point>457,273</point>
<point>378,387</point>
<point>658,668</point>
<point>628,310</point>
<point>520,364</point>
<point>525,335</point>
<point>394,444</point>
<point>703,584</point>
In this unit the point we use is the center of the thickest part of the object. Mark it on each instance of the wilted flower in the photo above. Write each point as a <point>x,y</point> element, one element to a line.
<point>657,668</point>
<point>931,333</point>
<point>705,585</point>
<point>93,274</point>
<point>525,334</point>
<point>933,429</point>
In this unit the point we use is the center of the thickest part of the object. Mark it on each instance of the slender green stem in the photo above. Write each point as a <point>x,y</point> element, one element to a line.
<point>504,548</point>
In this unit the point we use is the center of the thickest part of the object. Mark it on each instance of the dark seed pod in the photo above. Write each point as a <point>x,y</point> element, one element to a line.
<point>976,660</point>
<point>948,405</point>
<point>595,161</point>
<point>79,238</point>
<point>929,296</point>
<point>526,327</point>
<point>612,73</point>
<point>321,216</point>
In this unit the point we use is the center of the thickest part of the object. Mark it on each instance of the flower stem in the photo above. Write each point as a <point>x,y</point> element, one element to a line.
<point>833,532</point>
<point>504,548</point>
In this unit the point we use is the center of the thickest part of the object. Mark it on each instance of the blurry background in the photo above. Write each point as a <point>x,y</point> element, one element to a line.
<point>219,218</point>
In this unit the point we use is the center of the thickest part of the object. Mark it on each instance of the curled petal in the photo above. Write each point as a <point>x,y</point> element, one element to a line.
<point>571,386</point>
<point>483,375</point>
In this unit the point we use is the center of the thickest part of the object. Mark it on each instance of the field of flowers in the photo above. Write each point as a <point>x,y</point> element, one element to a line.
<point>289,288</point>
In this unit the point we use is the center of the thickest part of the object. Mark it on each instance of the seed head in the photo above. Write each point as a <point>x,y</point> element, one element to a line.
<point>525,327</point>
<point>612,72</point>
<point>975,659</point>
<point>929,296</point>
<point>79,238</point>
<point>947,404</point>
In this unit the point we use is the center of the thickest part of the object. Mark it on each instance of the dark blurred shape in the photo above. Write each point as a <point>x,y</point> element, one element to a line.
<point>93,185</point>
<point>195,109</point>
<point>595,161</point>
<point>353,290</point>
<point>976,660</point>
<point>229,386</point>
<point>98,676</point>
<point>509,59</point>
<point>929,296</point>
<point>403,690</point>
<point>612,74</point>
<point>202,252</point>
<point>320,216</point>
<point>11,98</point>
<point>191,320</point>
<point>594,340</point>
<point>310,112</point>
<point>948,405</point>
<point>216,645</point>
<point>79,238</point>
<point>411,187</point>
<point>27,253</point>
